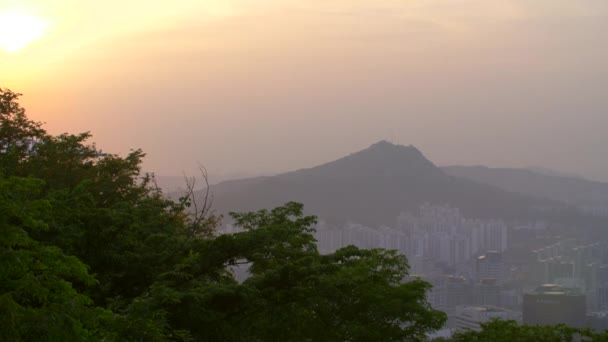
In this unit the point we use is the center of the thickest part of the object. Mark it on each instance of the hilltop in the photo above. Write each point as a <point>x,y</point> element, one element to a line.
<point>373,186</point>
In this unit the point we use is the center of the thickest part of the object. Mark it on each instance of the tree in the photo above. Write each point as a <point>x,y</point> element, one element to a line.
<point>17,132</point>
<point>92,249</point>
<point>509,331</point>
<point>101,213</point>
<point>38,301</point>
<point>293,292</point>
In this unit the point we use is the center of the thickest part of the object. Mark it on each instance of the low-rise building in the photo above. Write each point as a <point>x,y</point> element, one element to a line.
<point>470,317</point>
<point>551,304</point>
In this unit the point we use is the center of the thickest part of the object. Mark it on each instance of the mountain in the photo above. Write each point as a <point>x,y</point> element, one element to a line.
<point>568,189</point>
<point>372,187</point>
<point>175,185</point>
<point>550,172</point>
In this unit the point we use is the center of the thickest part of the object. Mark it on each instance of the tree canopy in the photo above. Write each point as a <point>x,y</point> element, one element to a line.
<point>91,249</point>
<point>509,331</point>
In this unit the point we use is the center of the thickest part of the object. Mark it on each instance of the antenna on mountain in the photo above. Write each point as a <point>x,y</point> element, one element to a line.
<point>393,139</point>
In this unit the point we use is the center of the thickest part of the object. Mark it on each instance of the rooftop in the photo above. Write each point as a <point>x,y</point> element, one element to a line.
<point>556,290</point>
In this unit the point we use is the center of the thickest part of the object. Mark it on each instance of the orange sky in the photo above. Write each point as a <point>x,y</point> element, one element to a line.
<point>262,86</point>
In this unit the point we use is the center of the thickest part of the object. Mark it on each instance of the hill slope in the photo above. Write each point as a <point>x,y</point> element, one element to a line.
<point>532,183</point>
<point>372,187</point>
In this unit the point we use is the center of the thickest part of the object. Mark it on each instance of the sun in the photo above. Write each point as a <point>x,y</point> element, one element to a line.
<point>18,29</point>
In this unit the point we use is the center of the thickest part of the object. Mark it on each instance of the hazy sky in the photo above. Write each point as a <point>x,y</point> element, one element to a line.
<point>259,86</point>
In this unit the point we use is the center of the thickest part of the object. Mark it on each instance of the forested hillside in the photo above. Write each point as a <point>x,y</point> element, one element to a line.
<point>91,250</point>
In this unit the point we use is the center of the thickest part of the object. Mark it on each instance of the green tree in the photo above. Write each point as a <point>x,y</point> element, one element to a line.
<point>102,208</point>
<point>17,132</point>
<point>38,301</point>
<point>509,331</point>
<point>91,249</point>
<point>293,292</point>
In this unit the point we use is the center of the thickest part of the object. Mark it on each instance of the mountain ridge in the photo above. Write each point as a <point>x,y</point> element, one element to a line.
<point>373,186</point>
<point>563,188</point>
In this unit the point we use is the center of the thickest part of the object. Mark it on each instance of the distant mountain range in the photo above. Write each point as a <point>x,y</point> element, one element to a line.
<point>568,189</point>
<point>177,184</point>
<point>550,172</point>
<point>375,185</point>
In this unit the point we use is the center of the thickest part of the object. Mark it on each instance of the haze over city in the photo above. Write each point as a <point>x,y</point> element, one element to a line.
<point>265,170</point>
<point>260,87</point>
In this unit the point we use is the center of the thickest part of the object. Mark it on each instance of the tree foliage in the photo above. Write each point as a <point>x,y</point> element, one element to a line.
<point>38,299</point>
<point>509,331</point>
<point>92,250</point>
<point>294,293</point>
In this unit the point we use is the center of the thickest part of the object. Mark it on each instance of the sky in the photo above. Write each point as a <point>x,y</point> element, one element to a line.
<point>264,86</point>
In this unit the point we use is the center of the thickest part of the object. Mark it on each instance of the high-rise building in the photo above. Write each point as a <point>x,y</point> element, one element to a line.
<point>551,304</point>
<point>598,280</point>
<point>437,296</point>
<point>459,249</point>
<point>459,291</point>
<point>488,235</point>
<point>490,265</point>
<point>487,292</point>
<point>470,317</point>
<point>443,234</point>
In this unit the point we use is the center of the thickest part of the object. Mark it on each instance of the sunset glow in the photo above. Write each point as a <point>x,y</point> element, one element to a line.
<point>19,29</point>
<point>411,71</point>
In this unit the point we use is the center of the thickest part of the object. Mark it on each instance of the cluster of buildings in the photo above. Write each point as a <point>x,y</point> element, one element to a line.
<point>482,285</point>
<point>331,238</point>
<point>551,304</point>
<point>548,304</point>
<point>475,275</point>
<point>595,210</point>
<point>439,233</point>
<point>443,234</point>
<point>581,267</point>
<point>479,270</point>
